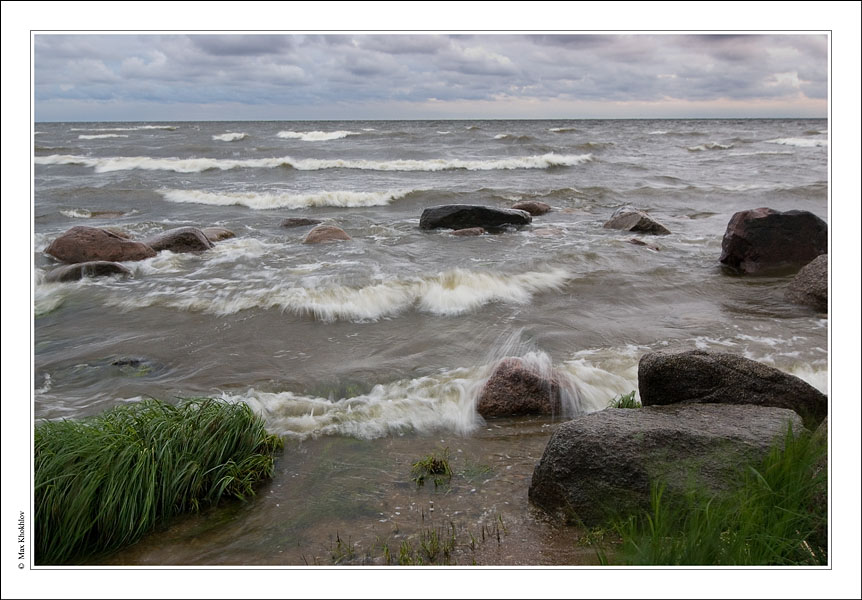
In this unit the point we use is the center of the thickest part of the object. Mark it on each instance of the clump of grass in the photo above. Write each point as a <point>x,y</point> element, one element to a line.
<point>434,466</point>
<point>772,517</point>
<point>102,483</point>
<point>625,401</point>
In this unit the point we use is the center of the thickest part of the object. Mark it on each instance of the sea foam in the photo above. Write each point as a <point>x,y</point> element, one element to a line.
<point>315,136</point>
<point>271,200</point>
<point>230,137</point>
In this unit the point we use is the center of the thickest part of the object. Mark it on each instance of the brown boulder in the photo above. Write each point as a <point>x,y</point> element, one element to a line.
<point>515,388</point>
<point>470,231</point>
<point>767,241</point>
<point>533,207</point>
<point>325,233</point>
<point>632,219</point>
<point>86,244</point>
<point>299,222</point>
<point>181,239</point>
<point>98,268</point>
<point>217,234</point>
<point>811,285</point>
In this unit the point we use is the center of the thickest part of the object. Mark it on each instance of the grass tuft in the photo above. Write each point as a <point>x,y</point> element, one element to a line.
<point>625,401</point>
<point>433,466</point>
<point>102,483</point>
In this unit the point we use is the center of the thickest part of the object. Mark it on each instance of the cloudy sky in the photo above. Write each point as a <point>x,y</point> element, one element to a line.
<point>99,77</point>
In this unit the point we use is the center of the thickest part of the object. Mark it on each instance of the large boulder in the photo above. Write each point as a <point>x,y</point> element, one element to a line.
<point>97,268</point>
<point>464,216</point>
<point>603,464</point>
<point>217,234</point>
<point>181,239</point>
<point>85,244</point>
<point>534,207</point>
<point>717,377</point>
<point>764,241</point>
<point>518,388</point>
<point>811,285</point>
<point>632,219</point>
<point>325,233</point>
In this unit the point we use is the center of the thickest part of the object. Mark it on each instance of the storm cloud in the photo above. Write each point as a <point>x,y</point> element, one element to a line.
<point>293,76</point>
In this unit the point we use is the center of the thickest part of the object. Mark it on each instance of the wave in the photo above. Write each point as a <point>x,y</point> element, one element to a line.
<point>315,136</point>
<point>801,142</point>
<point>710,146</point>
<point>270,200</point>
<point>197,165</point>
<point>136,128</point>
<point>562,130</point>
<point>230,137</point>
<point>450,293</point>
<point>99,136</point>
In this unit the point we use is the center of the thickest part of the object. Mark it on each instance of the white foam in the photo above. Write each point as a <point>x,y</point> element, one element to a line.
<point>197,165</point>
<point>562,129</point>
<point>270,200</point>
<point>76,213</point>
<point>230,137</point>
<point>101,135</point>
<point>710,146</point>
<point>801,142</point>
<point>136,128</point>
<point>315,136</point>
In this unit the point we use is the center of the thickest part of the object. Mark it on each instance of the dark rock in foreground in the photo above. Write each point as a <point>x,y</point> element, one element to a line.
<point>715,377</point>
<point>811,285</point>
<point>85,244</point>
<point>217,234</point>
<point>631,219</point>
<point>603,464</point>
<point>464,216</point>
<point>299,222</point>
<point>767,241</point>
<point>98,268</point>
<point>534,207</point>
<point>181,239</point>
<point>516,388</point>
<point>326,233</point>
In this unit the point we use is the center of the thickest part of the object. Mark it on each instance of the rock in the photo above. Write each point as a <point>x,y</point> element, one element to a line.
<point>97,268</point>
<point>533,207</point>
<point>85,244</point>
<point>299,222</point>
<point>716,377</point>
<point>767,241</point>
<point>632,219</point>
<point>469,231</point>
<point>325,233</point>
<point>181,239</point>
<point>118,231</point>
<point>811,285</point>
<point>217,234</point>
<point>603,464</point>
<point>464,216</point>
<point>516,388</point>
<point>638,242</point>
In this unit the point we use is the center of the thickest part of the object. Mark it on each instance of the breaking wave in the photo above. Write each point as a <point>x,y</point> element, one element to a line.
<point>230,137</point>
<point>315,136</point>
<point>270,200</point>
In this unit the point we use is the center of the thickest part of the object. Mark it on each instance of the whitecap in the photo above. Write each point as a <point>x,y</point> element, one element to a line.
<point>292,200</point>
<point>800,142</point>
<point>315,136</point>
<point>99,136</point>
<point>710,146</point>
<point>230,137</point>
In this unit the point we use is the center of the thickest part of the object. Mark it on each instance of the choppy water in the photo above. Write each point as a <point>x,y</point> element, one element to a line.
<point>390,335</point>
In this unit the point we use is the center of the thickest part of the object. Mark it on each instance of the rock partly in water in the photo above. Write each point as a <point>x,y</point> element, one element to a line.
<point>632,219</point>
<point>299,222</point>
<point>638,242</point>
<point>534,207</point>
<point>470,231</point>
<point>603,464</point>
<point>325,233</point>
<point>217,234</point>
<point>517,388</point>
<point>717,377</point>
<point>85,244</point>
<point>181,239</point>
<point>811,285</point>
<point>766,241</point>
<point>97,268</point>
<point>464,216</point>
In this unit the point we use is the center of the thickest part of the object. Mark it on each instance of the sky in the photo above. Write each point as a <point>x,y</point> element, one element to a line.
<point>240,76</point>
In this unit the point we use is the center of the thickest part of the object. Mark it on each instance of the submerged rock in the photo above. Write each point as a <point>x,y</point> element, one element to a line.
<point>326,233</point>
<point>464,216</point>
<point>217,234</point>
<point>516,388</point>
<point>603,464</point>
<point>299,222</point>
<point>716,377</point>
<point>632,219</point>
<point>470,231</point>
<point>85,244</point>
<point>181,239</point>
<point>534,207</point>
<point>767,241</point>
<point>811,285</point>
<point>98,268</point>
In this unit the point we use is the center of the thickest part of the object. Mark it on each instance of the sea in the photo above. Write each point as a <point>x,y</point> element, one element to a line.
<point>366,355</point>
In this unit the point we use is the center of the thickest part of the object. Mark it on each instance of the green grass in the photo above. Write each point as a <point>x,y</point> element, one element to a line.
<point>102,483</point>
<point>776,516</point>
<point>625,401</point>
<point>434,466</point>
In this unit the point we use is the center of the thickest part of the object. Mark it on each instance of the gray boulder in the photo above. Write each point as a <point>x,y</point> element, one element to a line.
<point>716,377</point>
<point>632,219</point>
<point>603,464</point>
<point>299,222</point>
<point>85,244</point>
<point>811,285</point>
<point>98,268</point>
<point>464,216</point>
<point>181,239</point>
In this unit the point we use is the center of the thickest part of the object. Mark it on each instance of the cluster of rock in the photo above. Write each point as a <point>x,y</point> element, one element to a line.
<point>703,415</point>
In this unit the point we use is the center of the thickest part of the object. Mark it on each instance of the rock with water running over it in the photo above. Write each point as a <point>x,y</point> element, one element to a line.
<point>603,464</point>
<point>470,231</point>
<point>96,268</point>
<point>465,216</point>
<point>181,239</point>
<point>534,207</point>
<point>217,234</point>
<point>811,285</point>
<point>698,376</point>
<point>632,219</point>
<point>298,222</point>
<point>326,233</point>
<point>85,244</point>
<point>764,241</point>
<point>518,388</point>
